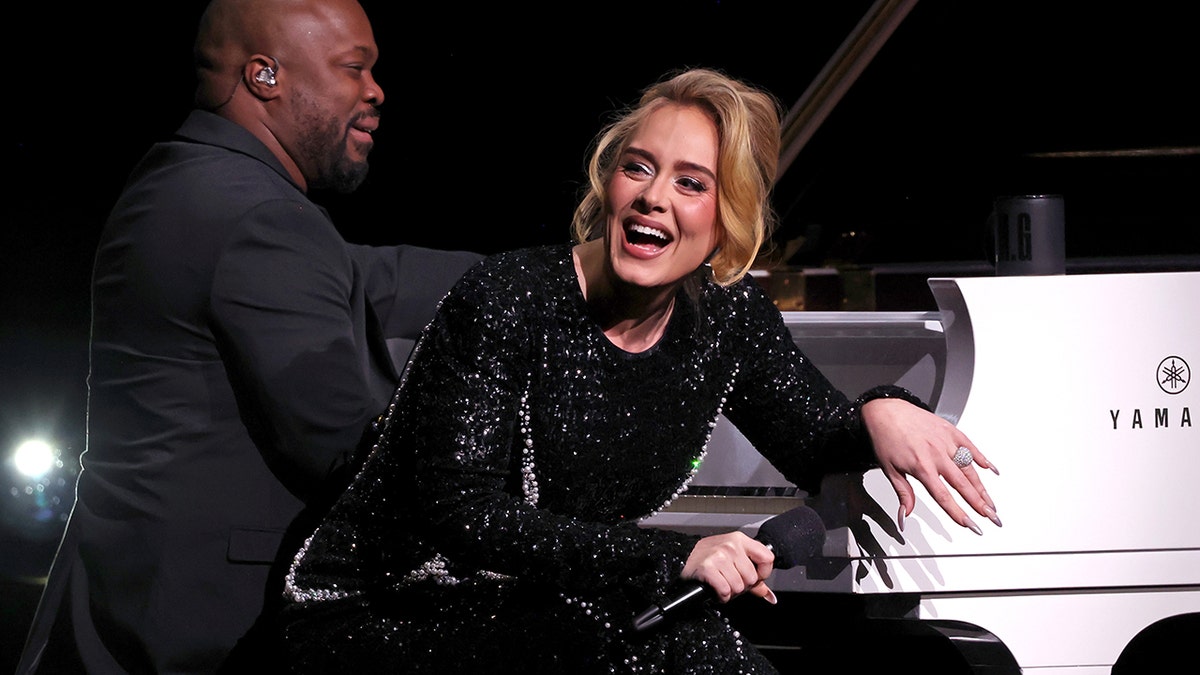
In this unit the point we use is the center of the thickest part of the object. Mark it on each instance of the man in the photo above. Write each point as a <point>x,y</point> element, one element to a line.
<point>238,348</point>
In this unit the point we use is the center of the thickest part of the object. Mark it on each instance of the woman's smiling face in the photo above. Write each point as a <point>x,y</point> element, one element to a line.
<point>662,199</point>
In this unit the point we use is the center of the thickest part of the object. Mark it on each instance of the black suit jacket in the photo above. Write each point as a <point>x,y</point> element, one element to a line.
<point>238,355</point>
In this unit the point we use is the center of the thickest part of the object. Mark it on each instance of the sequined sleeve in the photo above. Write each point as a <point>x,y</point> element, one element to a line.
<point>474,488</point>
<point>787,408</point>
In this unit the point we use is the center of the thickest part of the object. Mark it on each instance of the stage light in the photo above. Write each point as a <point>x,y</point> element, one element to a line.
<point>39,490</point>
<point>34,458</point>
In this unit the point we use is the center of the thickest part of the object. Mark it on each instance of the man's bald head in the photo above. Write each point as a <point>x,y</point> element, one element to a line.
<point>231,31</point>
<point>297,75</point>
<point>223,44</point>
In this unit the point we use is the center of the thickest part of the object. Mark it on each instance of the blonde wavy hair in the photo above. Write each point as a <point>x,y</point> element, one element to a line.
<point>747,120</point>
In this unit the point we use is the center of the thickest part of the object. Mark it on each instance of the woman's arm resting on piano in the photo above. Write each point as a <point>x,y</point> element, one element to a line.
<point>910,441</point>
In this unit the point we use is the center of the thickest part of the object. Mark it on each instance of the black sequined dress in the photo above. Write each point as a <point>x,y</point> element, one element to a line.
<point>495,526</point>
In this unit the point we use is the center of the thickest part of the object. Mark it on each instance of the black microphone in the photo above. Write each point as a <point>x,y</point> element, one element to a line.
<point>794,537</point>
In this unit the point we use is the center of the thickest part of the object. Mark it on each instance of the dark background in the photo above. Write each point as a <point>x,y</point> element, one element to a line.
<point>487,119</point>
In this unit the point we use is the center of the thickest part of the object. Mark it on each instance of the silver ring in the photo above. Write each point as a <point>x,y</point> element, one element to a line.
<point>962,457</point>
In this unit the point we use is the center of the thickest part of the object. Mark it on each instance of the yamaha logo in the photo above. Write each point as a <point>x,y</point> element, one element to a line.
<point>1173,375</point>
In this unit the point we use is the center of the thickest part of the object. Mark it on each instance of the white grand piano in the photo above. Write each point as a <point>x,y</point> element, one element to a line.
<point>1080,388</point>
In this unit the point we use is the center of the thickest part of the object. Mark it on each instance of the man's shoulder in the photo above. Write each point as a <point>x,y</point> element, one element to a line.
<point>199,199</point>
<point>206,128</point>
<point>209,152</point>
<point>205,177</point>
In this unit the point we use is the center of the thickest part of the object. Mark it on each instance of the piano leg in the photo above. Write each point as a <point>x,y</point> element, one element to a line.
<point>1161,647</point>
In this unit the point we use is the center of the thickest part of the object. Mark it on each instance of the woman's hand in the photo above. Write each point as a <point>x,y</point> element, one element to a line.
<point>915,442</point>
<point>731,564</point>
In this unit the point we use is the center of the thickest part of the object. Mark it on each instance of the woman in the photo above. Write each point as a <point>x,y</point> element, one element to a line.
<point>564,393</point>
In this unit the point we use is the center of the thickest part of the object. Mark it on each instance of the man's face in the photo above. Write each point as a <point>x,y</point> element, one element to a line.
<point>333,96</point>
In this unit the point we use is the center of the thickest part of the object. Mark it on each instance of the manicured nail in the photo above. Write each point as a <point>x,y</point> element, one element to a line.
<point>993,468</point>
<point>970,524</point>
<point>991,514</point>
<point>900,518</point>
<point>770,597</point>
